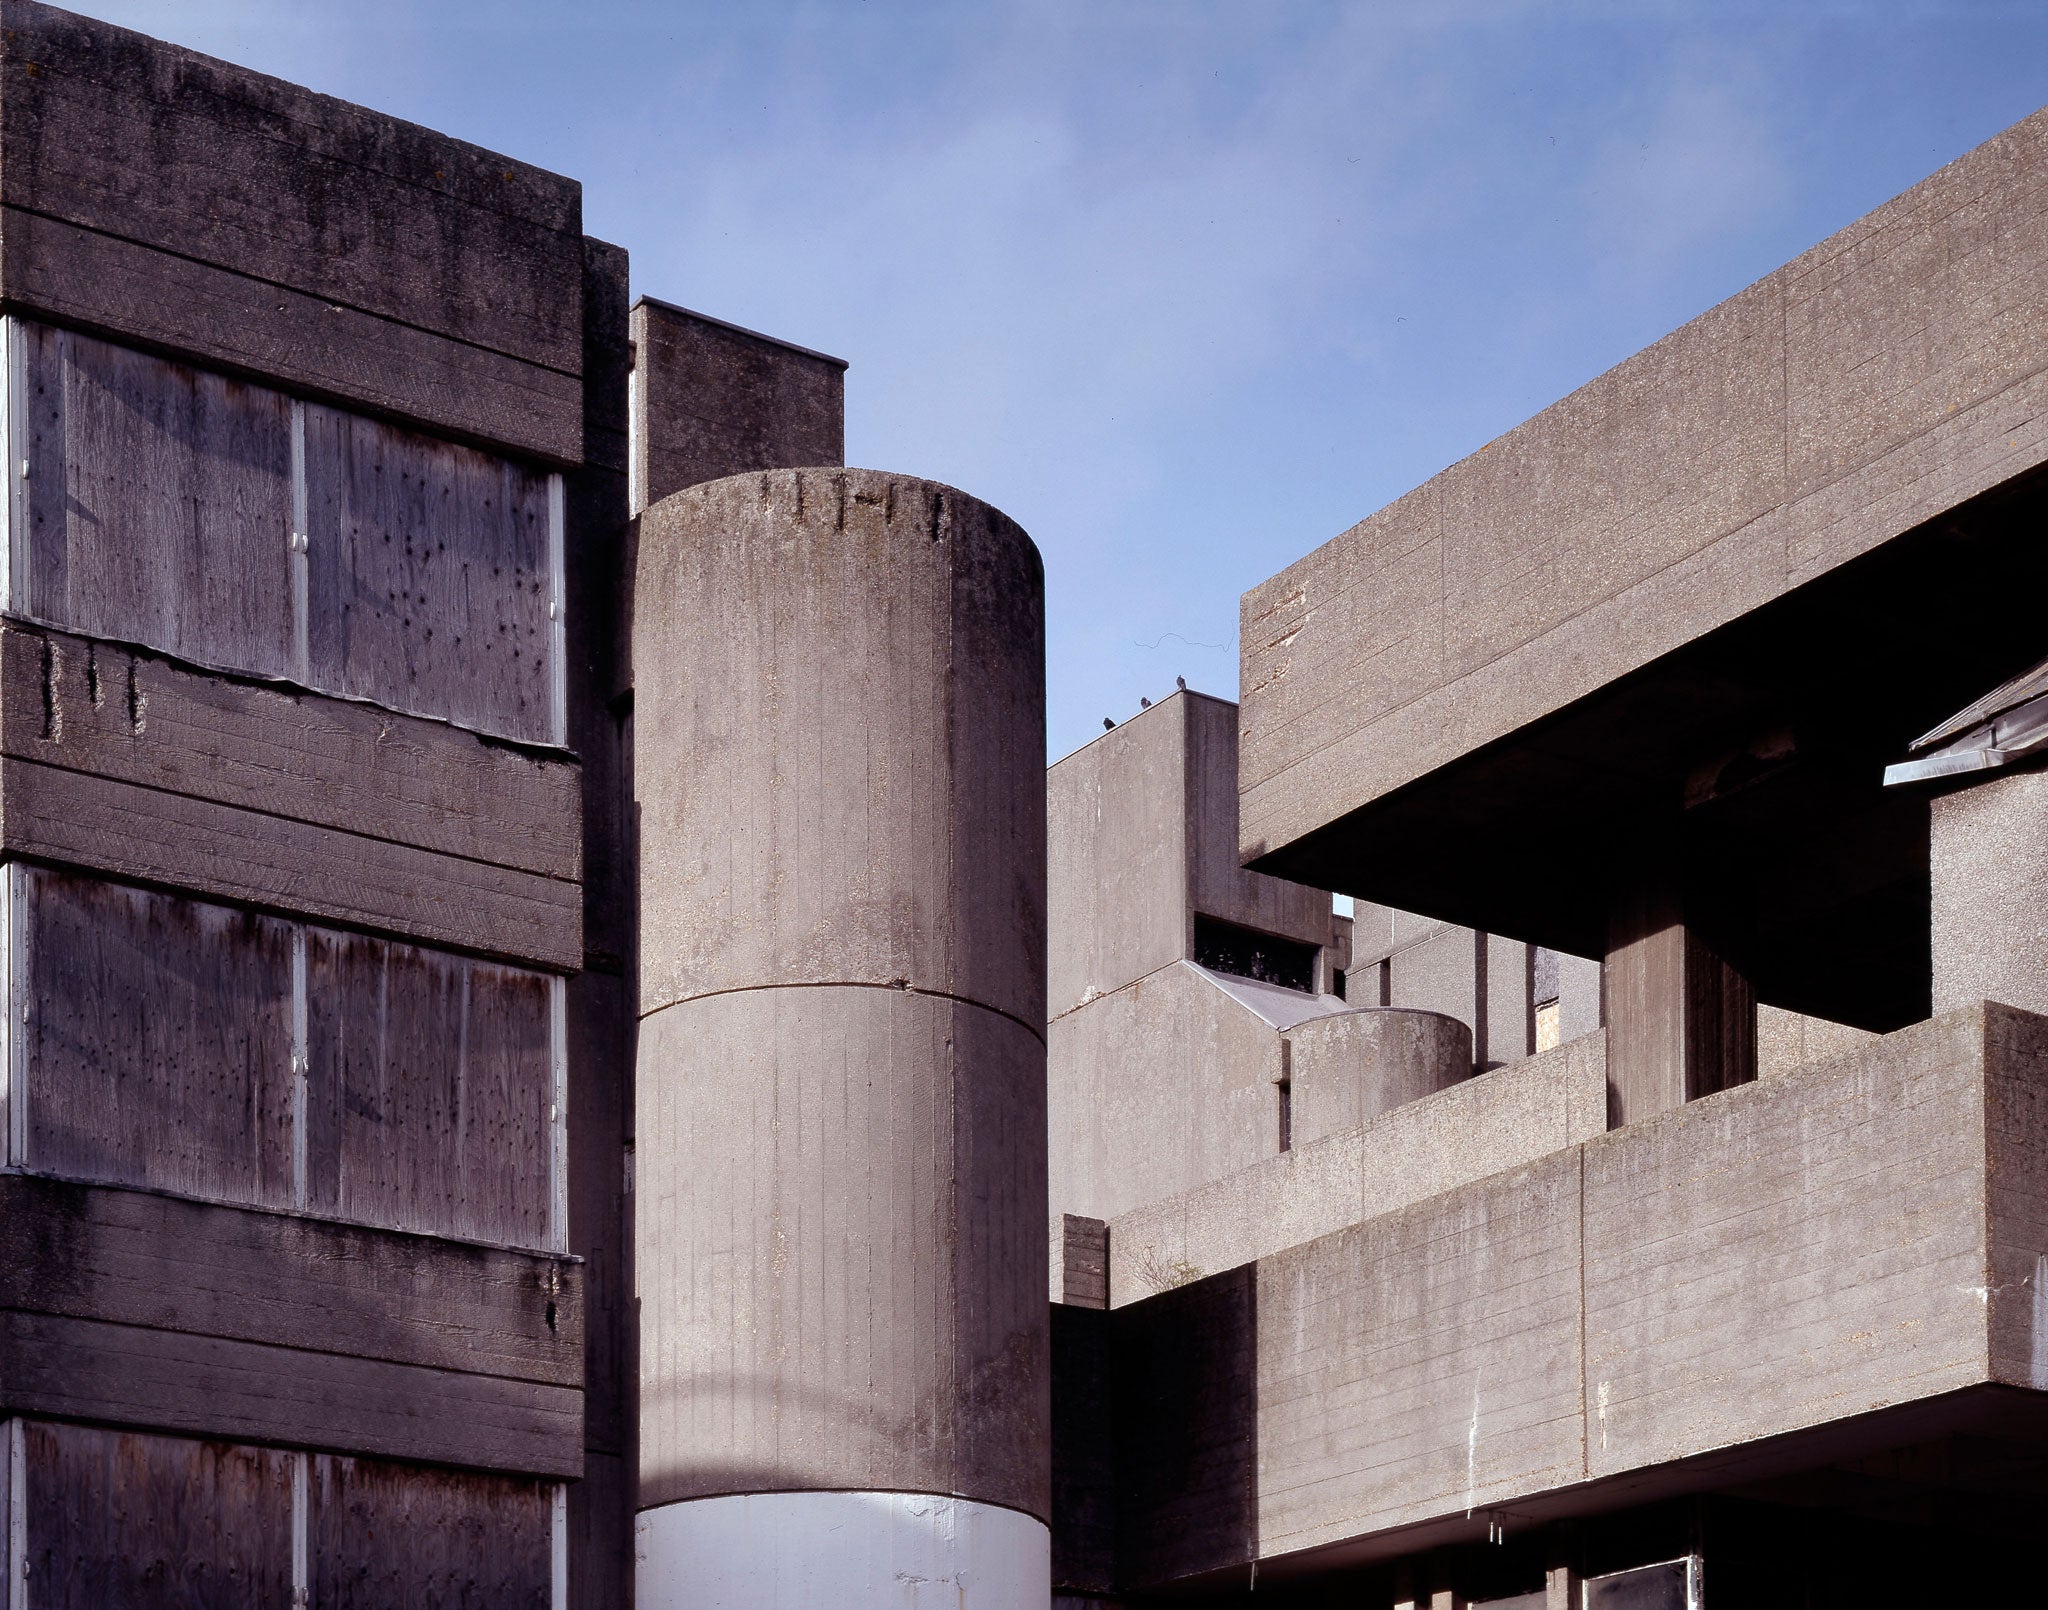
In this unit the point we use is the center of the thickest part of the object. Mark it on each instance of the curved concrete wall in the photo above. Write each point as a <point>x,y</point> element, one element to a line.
<point>841,1148</point>
<point>1351,1067</point>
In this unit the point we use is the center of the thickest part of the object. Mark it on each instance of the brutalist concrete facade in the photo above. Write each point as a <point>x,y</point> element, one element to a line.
<point>557,1040</point>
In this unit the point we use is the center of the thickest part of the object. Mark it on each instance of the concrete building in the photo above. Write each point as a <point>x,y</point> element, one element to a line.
<point>555,1030</point>
<point>1731,1295</point>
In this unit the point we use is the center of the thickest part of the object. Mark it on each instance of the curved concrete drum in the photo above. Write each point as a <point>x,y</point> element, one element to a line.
<point>1351,1067</point>
<point>841,1146</point>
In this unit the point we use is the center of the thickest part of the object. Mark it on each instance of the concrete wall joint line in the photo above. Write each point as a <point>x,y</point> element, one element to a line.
<point>1036,1031</point>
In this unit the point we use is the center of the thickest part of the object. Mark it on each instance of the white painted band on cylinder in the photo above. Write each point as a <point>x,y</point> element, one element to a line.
<point>859,1551</point>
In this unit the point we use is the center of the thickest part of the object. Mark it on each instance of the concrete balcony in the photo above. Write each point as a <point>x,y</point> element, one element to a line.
<point>1819,1269</point>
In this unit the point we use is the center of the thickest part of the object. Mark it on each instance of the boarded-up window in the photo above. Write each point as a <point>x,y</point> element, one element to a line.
<point>157,1050</point>
<point>430,1090</point>
<point>430,576</point>
<point>157,1040</point>
<point>394,1537</point>
<point>158,502</point>
<point>231,526</point>
<point>121,1521</point>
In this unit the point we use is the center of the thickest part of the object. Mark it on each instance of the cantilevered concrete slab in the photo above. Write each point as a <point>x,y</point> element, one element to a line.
<point>1729,580</point>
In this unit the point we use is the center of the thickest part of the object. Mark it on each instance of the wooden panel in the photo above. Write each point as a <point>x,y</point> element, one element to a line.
<point>158,1041</point>
<point>306,343</point>
<point>384,1537</point>
<point>151,836</point>
<point>137,1258</point>
<point>430,1087</point>
<point>159,502</point>
<point>207,1386</point>
<point>206,160</point>
<point>430,576</point>
<point>122,1521</point>
<point>101,708</point>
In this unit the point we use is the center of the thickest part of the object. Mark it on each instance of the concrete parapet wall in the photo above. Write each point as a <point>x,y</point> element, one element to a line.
<point>1481,1126</point>
<point>152,192</point>
<point>1891,372</point>
<point>1859,1235</point>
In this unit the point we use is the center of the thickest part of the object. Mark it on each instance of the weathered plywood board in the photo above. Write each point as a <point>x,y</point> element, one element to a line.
<point>158,501</point>
<point>118,1520</point>
<point>431,586</point>
<point>158,1041</point>
<point>136,1258</point>
<point>384,1537</point>
<point>150,836</point>
<point>141,718</point>
<point>78,1369</point>
<point>429,1090</point>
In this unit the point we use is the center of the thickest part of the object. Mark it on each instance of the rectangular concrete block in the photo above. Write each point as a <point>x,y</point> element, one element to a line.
<point>1892,373</point>
<point>712,400</point>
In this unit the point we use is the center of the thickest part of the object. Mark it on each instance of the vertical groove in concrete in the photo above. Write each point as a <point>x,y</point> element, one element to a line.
<point>839,751</point>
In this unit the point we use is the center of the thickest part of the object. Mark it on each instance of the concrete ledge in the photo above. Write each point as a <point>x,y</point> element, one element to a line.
<point>1500,1120</point>
<point>1726,1286</point>
<point>1884,377</point>
<point>125,762</point>
<point>136,1309</point>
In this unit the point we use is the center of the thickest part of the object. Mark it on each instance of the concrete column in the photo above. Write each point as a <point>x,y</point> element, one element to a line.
<point>1352,1067</point>
<point>1681,1021</point>
<point>841,1233</point>
<point>1988,866</point>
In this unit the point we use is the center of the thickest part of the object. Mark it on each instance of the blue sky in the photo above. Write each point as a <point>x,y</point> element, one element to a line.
<point>1184,288</point>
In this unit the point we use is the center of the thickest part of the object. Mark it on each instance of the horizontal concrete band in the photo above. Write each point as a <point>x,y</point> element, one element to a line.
<point>297,802</point>
<point>1839,402</point>
<point>1850,1238</point>
<point>136,1309</point>
<point>860,1550</point>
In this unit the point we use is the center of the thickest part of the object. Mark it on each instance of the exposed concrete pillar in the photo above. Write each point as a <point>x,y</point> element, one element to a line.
<point>1681,1021</point>
<point>841,1232</point>
<point>1988,868</point>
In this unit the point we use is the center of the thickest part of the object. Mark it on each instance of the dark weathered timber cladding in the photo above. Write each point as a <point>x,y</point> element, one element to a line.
<point>430,576</point>
<point>158,1041</point>
<point>385,1537</point>
<point>108,710</point>
<point>159,502</point>
<point>287,233</point>
<point>118,1520</point>
<point>429,1085</point>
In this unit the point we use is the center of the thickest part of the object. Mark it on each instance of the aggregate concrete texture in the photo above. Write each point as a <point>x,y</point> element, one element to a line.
<point>838,681</point>
<point>1875,382</point>
<point>1987,857</point>
<point>1352,1067</point>
<point>152,192</point>
<point>1143,835</point>
<point>1850,1237</point>
<point>727,401</point>
<point>1156,1088</point>
<point>1467,1131</point>
<point>840,1175</point>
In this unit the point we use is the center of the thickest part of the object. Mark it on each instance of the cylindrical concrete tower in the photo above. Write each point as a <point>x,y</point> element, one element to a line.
<point>839,759</point>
